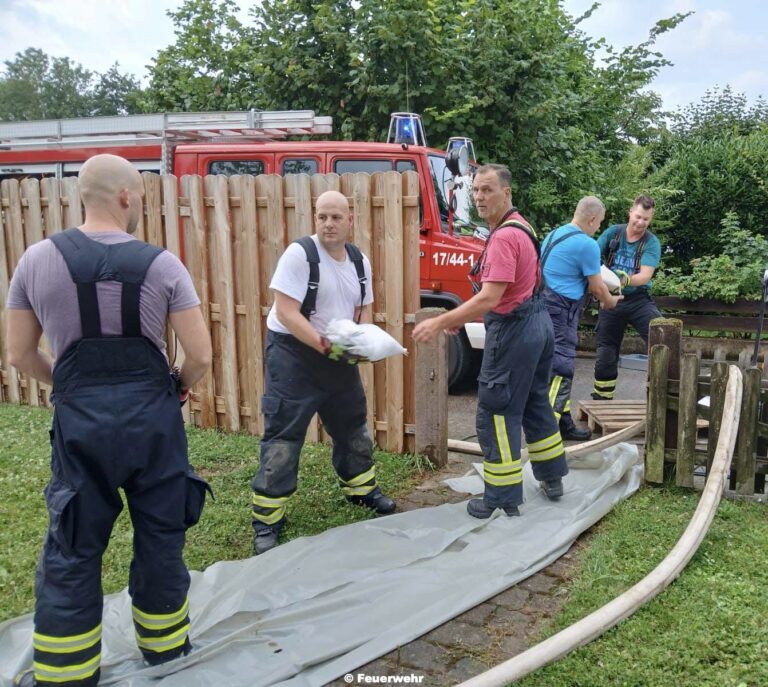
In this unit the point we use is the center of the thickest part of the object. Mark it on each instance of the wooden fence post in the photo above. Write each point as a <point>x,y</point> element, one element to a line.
<point>656,419</point>
<point>669,331</point>
<point>746,442</point>
<point>432,395</point>
<point>686,428</point>
<point>719,380</point>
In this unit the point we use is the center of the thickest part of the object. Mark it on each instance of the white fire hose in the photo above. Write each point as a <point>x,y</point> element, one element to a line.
<point>626,604</point>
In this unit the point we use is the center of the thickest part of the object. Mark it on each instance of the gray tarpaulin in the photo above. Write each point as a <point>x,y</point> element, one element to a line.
<point>318,607</point>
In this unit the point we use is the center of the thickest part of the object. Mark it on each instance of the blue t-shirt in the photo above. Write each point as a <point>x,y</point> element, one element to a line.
<point>624,258</point>
<point>570,262</point>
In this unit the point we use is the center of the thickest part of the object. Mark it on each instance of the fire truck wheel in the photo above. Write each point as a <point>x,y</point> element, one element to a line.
<point>459,361</point>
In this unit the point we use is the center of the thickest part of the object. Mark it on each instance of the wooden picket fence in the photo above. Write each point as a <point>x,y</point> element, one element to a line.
<point>677,382</point>
<point>233,231</point>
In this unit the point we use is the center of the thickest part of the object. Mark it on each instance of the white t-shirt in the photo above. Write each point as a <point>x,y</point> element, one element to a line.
<point>338,293</point>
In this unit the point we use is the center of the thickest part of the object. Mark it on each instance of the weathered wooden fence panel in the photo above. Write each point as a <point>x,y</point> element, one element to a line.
<point>230,232</point>
<point>683,400</point>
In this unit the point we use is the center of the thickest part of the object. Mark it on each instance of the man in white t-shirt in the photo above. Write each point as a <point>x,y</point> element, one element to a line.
<point>305,375</point>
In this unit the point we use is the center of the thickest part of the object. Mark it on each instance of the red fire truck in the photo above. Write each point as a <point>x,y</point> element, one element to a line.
<point>253,142</point>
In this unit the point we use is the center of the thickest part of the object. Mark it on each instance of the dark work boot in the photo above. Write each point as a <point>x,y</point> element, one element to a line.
<point>376,501</point>
<point>553,488</point>
<point>25,679</point>
<point>570,432</point>
<point>266,537</point>
<point>477,508</point>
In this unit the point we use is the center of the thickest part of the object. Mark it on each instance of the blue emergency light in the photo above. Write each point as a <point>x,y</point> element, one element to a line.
<point>406,128</point>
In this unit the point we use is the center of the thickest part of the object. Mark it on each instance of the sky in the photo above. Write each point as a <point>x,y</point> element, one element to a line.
<point>722,43</point>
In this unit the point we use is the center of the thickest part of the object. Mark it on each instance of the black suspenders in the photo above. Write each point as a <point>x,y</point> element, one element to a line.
<point>313,258</point>
<point>90,262</point>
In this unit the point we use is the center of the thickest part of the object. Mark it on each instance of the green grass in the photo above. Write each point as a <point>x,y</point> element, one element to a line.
<point>709,628</point>
<point>228,461</point>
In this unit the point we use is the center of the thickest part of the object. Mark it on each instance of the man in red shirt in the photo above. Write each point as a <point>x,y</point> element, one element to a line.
<point>519,343</point>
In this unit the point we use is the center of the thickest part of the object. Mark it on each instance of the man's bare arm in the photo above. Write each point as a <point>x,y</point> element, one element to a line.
<point>24,332</point>
<point>479,304</point>
<point>366,314</point>
<point>195,339</point>
<point>289,313</point>
<point>600,291</point>
<point>642,277</point>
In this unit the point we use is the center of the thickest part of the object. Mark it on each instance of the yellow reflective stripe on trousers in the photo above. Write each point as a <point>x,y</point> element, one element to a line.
<point>503,474</point>
<point>160,621</point>
<point>272,518</point>
<point>554,387</point>
<point>605,383</point>
<point>500,424</point>
<point>546,443</point>
<point>358,491</point>
<point>546,449</point>
<point>360,480</point>
<point>164,643</point>
<point>553,452</point>
<point>66,645</point>
<point>567,408</point>
<point>79,671</point>
<point>604,394</point>
<point>269,501</point>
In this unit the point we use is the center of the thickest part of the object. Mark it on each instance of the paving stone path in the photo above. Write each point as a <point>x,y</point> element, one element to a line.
<point>485,635</point>
<point>510,622</point>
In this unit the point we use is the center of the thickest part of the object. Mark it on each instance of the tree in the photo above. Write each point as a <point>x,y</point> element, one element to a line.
<point>206,69</point>
<point>517,77</point>
<point>715,164</point>
<point>36,86</point>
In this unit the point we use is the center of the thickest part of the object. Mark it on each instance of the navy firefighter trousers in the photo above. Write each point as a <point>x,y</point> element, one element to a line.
<point>512,394</point>
<point>116,424</point>
<point>636,309</point>
<point>300,382</point>
<point>564,313</point>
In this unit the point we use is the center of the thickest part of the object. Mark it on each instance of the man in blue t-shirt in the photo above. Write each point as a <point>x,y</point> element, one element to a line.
<point>633,253</point>
<point>570,265</point>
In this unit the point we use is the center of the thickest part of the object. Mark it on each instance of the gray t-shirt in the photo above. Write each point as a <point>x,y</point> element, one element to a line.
<point>42,283</point>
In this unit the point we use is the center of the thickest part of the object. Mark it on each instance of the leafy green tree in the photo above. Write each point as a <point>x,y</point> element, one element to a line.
<point>36,86</point>
<point>716,163</point>
<point>115,93</point>
<point>519,78</point>
<point>206,69</point>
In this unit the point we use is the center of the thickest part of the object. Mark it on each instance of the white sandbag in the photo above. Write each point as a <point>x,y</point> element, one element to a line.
<point>609,278</point>
<point>365,340</point>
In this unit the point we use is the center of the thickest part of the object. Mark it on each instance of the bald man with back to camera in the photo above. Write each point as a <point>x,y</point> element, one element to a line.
<point>103,298</point>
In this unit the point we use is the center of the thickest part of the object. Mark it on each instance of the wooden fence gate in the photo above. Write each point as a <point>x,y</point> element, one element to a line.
<point>678,385</point>
<point>233,231</point>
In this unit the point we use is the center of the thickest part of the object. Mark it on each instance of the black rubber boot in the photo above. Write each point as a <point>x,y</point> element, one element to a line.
<point>570,432</point>
<point>553,488</point>
<point>376,501</point>
<point>266,537</point>
<point>477,508</point>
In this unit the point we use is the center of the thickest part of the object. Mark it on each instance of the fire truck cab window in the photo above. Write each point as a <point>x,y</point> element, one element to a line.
<point>300,166</point>
<point>405,166</point>
<point>370,166</point>
<point>233,167</point>
<point>465,212</point>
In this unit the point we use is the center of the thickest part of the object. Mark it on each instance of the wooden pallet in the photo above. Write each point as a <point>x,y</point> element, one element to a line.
<point>610,416</point>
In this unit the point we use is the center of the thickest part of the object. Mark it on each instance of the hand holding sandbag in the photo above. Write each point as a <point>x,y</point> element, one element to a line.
<point>366,341</point>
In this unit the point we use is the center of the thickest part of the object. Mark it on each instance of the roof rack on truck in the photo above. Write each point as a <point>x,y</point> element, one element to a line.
<point>165,129</point>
